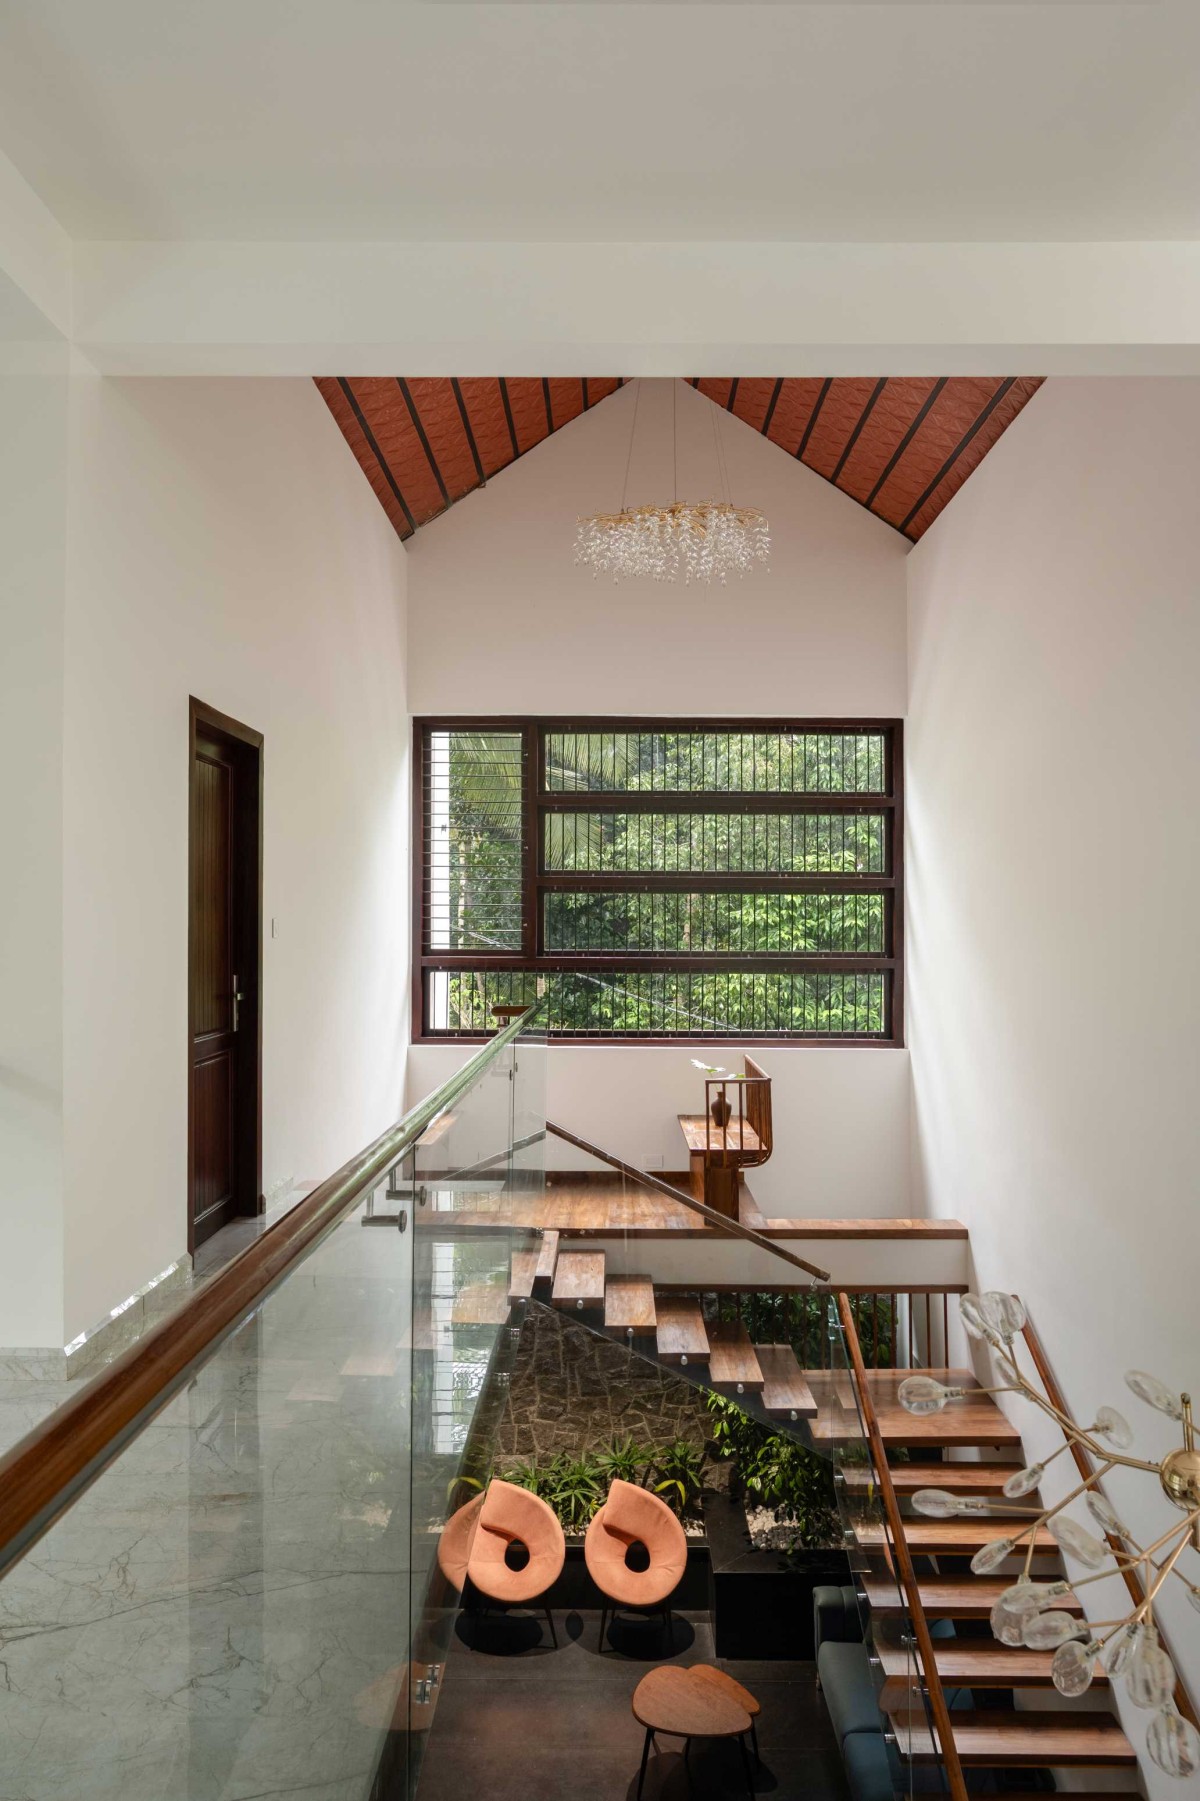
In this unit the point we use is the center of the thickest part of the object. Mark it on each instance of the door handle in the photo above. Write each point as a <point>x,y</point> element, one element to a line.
<point>238,996</point>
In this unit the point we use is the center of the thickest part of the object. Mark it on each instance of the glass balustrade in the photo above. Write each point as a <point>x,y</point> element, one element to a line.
<point>246,1599</point>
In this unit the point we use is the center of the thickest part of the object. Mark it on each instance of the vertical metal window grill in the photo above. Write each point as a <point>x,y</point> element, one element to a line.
<point>661,880</point>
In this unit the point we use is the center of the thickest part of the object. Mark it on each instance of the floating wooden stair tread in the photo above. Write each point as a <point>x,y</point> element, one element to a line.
<point>629,1304</point>
<point>976,1422</point>
<point>481,1304</point>
<point>957,1478</point>
<point>579,1279</point>
<point>980,1663</point>
<point>703,1134</point>
<point>1005,1740</point>
<point>681,1334</point>
<point>951,1597</point>
<point>543,1279</point>
<point>922,1231</point>
<point>958,1538</point>
<point>521,1272</point>
<point>785,1393</point>
<point>732,1364</point>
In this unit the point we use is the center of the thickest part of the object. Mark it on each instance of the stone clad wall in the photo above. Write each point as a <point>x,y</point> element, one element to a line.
<point>573,1390</point>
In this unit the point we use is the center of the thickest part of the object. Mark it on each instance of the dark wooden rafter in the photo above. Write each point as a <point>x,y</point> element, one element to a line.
<point>425,442</point>
<point>901,446</point>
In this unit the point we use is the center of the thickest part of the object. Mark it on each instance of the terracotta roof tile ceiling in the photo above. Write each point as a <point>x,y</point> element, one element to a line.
<point>901,446</point>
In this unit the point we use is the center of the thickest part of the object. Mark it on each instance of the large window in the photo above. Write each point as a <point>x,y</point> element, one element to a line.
<point>660,880</point>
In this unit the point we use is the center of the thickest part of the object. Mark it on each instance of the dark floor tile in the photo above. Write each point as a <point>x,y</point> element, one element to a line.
<point>502,1646</point>
<point>518,1720</point>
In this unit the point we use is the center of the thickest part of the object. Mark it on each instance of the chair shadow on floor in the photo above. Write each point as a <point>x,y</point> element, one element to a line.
<point>502,1632</point>
<point>646,1638</point>
<point>522,1632</point>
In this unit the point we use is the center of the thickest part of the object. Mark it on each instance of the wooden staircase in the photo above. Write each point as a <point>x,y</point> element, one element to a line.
<point>669,1327</point>
<point>970,1448</point>
<point>957,1450</point>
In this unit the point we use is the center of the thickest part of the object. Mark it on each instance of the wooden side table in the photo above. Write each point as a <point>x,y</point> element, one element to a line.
<point>707,1672</point>
<point>679,1704</point>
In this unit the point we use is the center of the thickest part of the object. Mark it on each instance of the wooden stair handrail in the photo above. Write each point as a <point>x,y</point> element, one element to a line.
<point>51,1466</point>
<point>891,1507</point>
<point>1085,1464</point>
<point>646,1180</point>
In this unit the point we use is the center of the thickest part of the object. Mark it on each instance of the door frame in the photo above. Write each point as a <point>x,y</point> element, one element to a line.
<point>248,856</point>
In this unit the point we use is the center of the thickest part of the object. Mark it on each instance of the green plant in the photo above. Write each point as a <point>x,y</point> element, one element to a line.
<point>777,1472</point>
<point>679,1469</point>
<point>533,1476</point>
<point>571,1485</point>
<point>623,1460</point>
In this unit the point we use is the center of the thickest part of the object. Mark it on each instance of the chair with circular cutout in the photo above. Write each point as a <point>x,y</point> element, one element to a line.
<point>632,1516</point>
<point>478,1541</point>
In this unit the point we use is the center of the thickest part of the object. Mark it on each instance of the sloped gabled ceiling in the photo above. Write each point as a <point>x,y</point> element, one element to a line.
<point>424,441</point>
<point>901,446</point>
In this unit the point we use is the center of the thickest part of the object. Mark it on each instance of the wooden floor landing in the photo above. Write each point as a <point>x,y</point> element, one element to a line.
<point>603,1204</point>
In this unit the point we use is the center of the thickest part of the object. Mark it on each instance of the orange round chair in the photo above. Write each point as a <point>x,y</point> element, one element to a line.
<point>632,1516</point>
<point>476,1542</point>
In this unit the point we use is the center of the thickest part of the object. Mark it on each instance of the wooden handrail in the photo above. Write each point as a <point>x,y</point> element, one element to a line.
<point>1086,1466</point>
<point>646,1180</point>
<point>51,1466</point>
<point>895,1522</point>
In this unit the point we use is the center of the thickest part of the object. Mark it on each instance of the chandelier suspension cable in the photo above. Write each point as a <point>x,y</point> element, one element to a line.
<point>637,401</point>
<point>702,541</point>
<point>722,472</point>
<point>675,436</point>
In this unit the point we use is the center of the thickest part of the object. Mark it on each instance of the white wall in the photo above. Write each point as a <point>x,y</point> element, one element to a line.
<point>33,460</point>
<point>501,620</point>
<point>827,1163</point>
<point>1053,862</point>
<point>223,544</point>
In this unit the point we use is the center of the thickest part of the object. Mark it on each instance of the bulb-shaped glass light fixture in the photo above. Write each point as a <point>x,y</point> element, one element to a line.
<point>1006,1311</point>
<point>936,1504</point>
<point>990,1557</point>
<point>976,1317</point>
<point>1118,1652</point>
<point>1073,1666</point>
<point>1078,1542</point>
<point>1023,1482</point>
<point>1046,1630</point>
<point>1173,1743</point>
<point>1154,1393</point>
<point>925,1394</point>
<point>1150,1678</point>
<point>1012,1612</point>
<point>1113,1426</point>
<point>1100,1510</point>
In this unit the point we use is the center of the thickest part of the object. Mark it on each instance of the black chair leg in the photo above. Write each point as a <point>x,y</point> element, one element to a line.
<point>669,1627</point>
<point>746,1764</point>
<point>550,1623</point>
<point>645,1756</point>
<point>603,1627</point>
<point>754,1740</point>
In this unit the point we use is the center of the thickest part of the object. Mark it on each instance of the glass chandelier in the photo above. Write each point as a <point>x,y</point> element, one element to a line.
<point>704,540</point>
<point>1028,1612</point>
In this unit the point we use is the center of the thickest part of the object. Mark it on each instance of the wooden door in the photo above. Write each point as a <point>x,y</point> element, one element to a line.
<point>224,1136</point>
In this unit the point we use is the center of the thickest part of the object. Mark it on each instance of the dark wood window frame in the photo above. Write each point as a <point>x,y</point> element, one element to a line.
<point>538,801</point>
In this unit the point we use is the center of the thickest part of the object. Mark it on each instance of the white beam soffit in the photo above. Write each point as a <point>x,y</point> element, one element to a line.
<point>641,309</point>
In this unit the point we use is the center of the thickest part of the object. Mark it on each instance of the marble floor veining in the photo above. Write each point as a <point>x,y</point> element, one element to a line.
<point>34,1383</point>
<point>218,1616</point>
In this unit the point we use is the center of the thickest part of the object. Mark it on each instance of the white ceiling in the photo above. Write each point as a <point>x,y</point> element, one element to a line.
<point>366,119</point>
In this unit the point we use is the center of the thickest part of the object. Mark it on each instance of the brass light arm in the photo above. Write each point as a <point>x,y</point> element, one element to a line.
<point>1164,1570</point>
